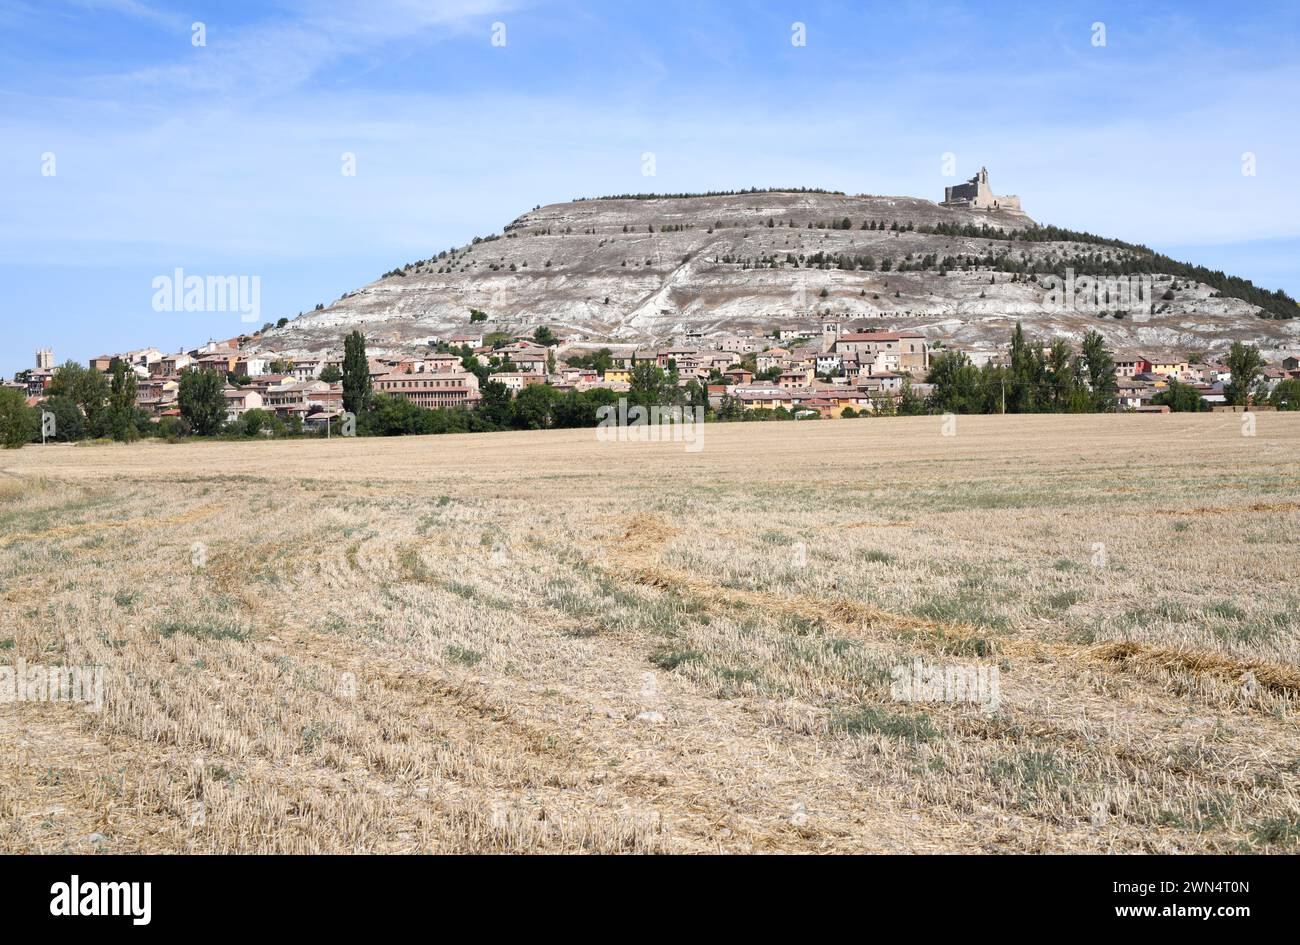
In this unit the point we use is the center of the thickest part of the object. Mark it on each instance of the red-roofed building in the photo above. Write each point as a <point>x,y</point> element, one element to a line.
<point>426,389</point>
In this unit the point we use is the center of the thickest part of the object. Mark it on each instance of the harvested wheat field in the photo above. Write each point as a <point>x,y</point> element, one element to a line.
<point>537,642</point>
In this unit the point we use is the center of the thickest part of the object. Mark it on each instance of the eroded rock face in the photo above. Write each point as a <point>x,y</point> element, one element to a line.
<point>646,271</point>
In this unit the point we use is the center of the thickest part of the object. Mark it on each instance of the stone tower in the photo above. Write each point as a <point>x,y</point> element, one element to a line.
<point>976,194</point>
<point>45,358</point>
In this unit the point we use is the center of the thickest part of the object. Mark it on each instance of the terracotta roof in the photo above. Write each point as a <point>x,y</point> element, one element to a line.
<point>880,335</point>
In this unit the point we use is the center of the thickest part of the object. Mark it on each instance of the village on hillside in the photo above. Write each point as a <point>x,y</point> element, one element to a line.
<point>812,369</point>
<point>478,374</point>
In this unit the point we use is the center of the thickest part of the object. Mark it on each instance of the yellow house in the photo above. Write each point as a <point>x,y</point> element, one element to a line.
<point>618,374</point>
<point>1168,366</point>
<point>763,398</point>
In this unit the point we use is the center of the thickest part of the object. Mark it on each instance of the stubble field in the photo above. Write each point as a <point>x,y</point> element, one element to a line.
<point>538,642</point>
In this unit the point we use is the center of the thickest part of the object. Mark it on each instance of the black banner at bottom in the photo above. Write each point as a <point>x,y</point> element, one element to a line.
<point>142,895</point>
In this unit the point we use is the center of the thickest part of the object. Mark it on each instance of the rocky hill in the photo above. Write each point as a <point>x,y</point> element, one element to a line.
<point>646,269</point>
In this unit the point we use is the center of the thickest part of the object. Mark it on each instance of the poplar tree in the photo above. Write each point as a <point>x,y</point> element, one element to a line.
<point>1101,371</point>
<point>121,404</point>
<point>357,389</point>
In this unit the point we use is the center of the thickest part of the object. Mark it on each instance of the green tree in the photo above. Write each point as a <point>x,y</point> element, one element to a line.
<point>1180,398</point>
<point>601,360</point>
<point>121,404</point>
<point>956,381</point>
<point>494,408</point>
<point>1100,366</point>
<point>696,394</point>
<point>203,405</point>
<point>19,423</point>
<point>1059,370</point>
<point>454,420</point>
<point>88,389</point>
<point>256,420</point>
<point>394,416</point>
<point>909,404</point>
<point>649,383</point>
<point>1025,380</point>
<point>1246,367</point>
<point>1286,396</point>
<point>534,405</point>
<point>731,408</point>
<point>357,387</point>
<point>544,336</point>
<point>173,428</point>
<point>576,409</point>
<point>69,422</point>
<point>331,374</point>
<point>476,367</point>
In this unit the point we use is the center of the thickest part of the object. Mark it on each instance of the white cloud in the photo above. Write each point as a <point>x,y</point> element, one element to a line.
<point>293,43</point>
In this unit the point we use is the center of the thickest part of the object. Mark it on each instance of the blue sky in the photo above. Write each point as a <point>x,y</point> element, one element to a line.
<point>226,158</point>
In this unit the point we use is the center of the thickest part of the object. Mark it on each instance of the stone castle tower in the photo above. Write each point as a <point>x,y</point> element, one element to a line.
<point>976,194</point>
<point>45,358</point>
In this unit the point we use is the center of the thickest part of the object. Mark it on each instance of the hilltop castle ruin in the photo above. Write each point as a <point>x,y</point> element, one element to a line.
<point>976,194</point>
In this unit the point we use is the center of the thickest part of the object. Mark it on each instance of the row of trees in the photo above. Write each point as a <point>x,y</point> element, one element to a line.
<point>1059,381</point>
<point>536,407</point>
<point>1140,259</point>
<point>1034,381</point>
<point>85,404</point>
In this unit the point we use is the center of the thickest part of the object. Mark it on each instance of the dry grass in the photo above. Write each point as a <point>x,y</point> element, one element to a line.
<point>538,642</point>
